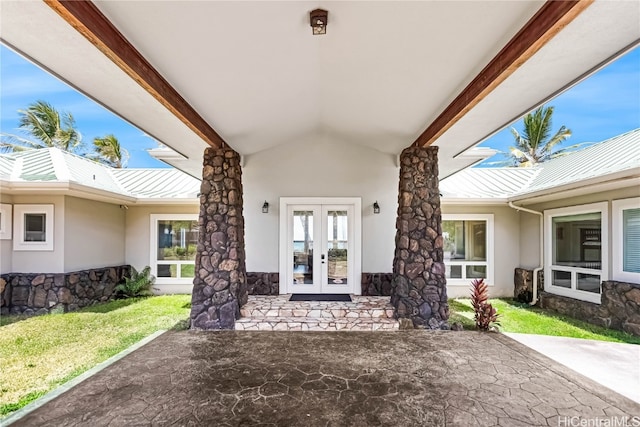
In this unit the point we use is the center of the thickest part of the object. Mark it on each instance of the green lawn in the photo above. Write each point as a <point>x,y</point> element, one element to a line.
<point>521,318</point>
<point>39,353</point>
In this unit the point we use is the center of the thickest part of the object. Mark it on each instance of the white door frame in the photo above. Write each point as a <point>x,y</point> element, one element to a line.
<point>356,202</point>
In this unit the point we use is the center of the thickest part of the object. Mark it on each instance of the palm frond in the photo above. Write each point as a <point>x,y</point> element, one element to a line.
<point>534,145</point>
<point>13,143</point>
<point>48,126</point>
<point>109,151</point>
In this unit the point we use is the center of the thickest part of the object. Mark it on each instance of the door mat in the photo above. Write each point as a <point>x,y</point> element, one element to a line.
<point>320,297</point>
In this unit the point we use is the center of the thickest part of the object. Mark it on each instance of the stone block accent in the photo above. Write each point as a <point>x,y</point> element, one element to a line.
<point>418,289</point>
<point>263,283</point>
<point>523,284</point>
<point>40,293</point>
<point>619,307</point>
<point>376,284</point>
<point>220,286</point>
<point>277,313</point>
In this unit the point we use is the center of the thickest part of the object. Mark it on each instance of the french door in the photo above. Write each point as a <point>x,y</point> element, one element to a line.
<point>320,246</point>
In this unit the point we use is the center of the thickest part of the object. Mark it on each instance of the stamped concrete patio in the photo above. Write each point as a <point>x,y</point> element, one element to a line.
<point>408,378</point>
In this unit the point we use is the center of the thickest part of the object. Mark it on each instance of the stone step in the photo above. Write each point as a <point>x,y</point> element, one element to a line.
<point>316,324</point>
<point>317,311</point>
<point>260,306</point>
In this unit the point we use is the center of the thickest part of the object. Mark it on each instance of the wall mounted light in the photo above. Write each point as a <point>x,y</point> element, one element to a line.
<point>318,20</point>
<point>376,207</point>
<point>265,207</point>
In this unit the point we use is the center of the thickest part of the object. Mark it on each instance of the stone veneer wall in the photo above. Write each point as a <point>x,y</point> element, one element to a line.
<point>376,284</point>
<point>619,307</point>
<point>523,284</point>
<point>220,286</point>
<point>40,293</point>
<point>373,284</point>
<point>418,289</point>
<point>263,283</point>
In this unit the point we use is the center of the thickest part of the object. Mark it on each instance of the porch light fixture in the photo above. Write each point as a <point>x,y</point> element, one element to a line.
<point>376,207</point>
<point>318,20</point>
<point>265,207</point>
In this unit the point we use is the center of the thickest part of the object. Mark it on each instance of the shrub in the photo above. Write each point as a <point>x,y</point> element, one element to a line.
<point>138,285</point>
<point>485,314</point>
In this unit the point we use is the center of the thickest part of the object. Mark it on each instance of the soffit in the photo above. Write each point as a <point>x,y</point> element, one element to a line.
<point>380,75</point>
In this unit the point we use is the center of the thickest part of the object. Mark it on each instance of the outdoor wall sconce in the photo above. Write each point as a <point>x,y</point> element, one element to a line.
<point>376,207</point>
<point>319,19</point>
<point>265,207</point>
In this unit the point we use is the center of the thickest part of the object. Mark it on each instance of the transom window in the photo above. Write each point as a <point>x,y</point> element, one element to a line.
<point>468,247</point>
<point>174,247</point>
<point>577,256</point>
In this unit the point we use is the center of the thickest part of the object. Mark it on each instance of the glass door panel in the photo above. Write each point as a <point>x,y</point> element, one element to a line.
<point>320,248</point>
<point>303,247</point>
<point>337,247</point>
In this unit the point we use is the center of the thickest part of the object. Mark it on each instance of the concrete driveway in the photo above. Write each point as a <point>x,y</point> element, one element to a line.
<point>407,378</point>
<point>614,365</point>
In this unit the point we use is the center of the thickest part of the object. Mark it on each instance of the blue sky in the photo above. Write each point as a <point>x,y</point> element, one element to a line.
<point>604,105</point>
<point>22,83</point>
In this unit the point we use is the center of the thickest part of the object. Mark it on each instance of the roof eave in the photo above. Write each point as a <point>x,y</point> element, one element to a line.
<point>64,188</point>
<point>474,201</point>
<point>598,184</point>
<point>141,201</point>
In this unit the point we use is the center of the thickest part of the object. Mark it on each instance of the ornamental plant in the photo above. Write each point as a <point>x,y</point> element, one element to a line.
<point>485,314</point>
<point>138,285</point>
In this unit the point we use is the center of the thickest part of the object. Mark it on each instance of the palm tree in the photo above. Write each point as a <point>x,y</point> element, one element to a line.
<point>110,152</point>
<point>45,127</point>
<point>535,145</point>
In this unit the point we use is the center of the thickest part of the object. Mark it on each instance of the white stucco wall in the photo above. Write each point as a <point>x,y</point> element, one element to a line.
<point>6,245</point>
<point>43,261</point>
<point>94,234</point>
<point>320,169</point>
<point>138,239</point>
<point>506,256</point>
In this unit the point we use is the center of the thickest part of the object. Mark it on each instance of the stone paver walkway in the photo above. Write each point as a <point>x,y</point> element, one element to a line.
<point>406,378</point>
<point>277,313</point>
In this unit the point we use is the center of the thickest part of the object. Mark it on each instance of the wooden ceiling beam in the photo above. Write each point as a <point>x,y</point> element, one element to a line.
<point>87,19</point>
<point>552,17</point>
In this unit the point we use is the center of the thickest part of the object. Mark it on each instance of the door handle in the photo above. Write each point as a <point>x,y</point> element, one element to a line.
<point>322,258</point>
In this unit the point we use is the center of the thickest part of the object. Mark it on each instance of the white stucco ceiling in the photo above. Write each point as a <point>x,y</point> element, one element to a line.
<point>382,73</point>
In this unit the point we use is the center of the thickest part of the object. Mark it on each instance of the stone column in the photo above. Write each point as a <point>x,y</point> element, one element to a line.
<point>219,286</point>
<point>418,289</point>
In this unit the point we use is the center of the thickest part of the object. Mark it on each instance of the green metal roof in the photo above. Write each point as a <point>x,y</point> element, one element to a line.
<point>54,165</point>
<point>619,154</point>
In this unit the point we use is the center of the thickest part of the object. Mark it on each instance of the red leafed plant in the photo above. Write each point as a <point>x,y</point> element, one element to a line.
<point>485,314</point>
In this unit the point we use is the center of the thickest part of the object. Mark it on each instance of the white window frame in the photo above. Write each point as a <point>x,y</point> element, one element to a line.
<point>6,222</point>
<point>617,208</point>
<point>600,207</point>
<point>488,218</point>
<point>19,244</point>
<point>153,261</point>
